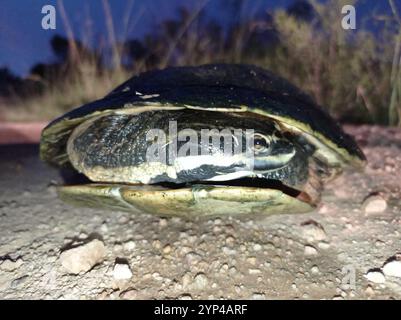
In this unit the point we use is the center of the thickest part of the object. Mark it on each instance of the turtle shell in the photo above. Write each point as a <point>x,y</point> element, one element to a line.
<point>220,87</point>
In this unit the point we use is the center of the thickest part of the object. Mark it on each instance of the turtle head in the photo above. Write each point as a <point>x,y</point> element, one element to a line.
<point>223,154</point>
<point>181,147</point>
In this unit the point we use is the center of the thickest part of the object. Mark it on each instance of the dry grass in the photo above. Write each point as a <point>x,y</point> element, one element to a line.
<point>356,75</point>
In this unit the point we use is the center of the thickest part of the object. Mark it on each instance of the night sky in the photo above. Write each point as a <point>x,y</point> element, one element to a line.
<point>23,42</point>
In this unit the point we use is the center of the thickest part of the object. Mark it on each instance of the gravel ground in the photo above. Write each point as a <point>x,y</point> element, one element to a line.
<point>346,249</point>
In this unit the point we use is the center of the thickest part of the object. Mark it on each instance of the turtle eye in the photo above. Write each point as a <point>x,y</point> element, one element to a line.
<point>260,143</point>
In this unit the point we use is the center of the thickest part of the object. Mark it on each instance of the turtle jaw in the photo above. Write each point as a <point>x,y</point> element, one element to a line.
<point>240,197</point>
<point>189,202</point>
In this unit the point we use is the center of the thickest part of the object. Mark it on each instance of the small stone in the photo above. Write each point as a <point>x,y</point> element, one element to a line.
<point>230,240</point>
<point>375,276</point>
<point>392,268</point>
<point>167,249</point>
<point>258,296</point>
<point>232,270</point>
<point>122,271</point>
<point>157,276</point>
<point>16,282</point>
<point>313,231</point>
<point>251,260</point>
<point>369,291</point>
<point>257,247</point>
<point>314,270</point>
<point>156,244</point>
<point>323,209</point>
<point>254,271</point>
<point>200,281</point>
<point>192,258</point>
<point>130,245</point>
<point>84,257</point>
<point>123,220</point>
<point>310,250</point>
<point>130,294</point>
<point>374,204</point>
<point>217,221</point>
<point>228,251</point>
<point>104,228</point>
<point>323,245</point>
<point>162,222</point>
<point>10,265</point>
<point>223,268</point>
<point>82,236</point>
<point>185,296</point>
<point>186,280</point>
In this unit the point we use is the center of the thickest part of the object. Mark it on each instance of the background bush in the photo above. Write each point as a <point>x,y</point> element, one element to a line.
<point>355,75</point>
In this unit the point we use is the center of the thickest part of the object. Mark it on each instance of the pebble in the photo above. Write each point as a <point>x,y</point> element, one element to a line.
<point>129,294</point>
<point>130,245</point>
<point>186,280</point>
<point>217,221</point>
<point>167,249</point>
<point>232,270</point>
<point>323,209</point>
<point>123,219</point>
<point>16,282</point>
<point>223,268</point>
<point>192,258</point>
<point>122,271</point>
<point>156,244</point>
<point>254,271</point>
<point>392,268</point>
<point>229,251</point>
<point>104,228</point>
<point>11,265</point>
<point>314,270</point>
<point>200,281</point>
<point>251,260</point>
<point>82,236</point>
<point>163,222</point>
<point>258,296</point>
<point>230,240</point>
<point>84,257</point>
<point>323,245</point>
<point>310,250</point>
<point>374,204</point>
<point>375,276</point>
<point>369,291</point>
<point>118,247</point>
<point>313,231</point>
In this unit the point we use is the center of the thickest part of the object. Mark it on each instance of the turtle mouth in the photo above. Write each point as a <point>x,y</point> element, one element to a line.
<point>75,178</point>
<point>241,182</point>
<point>246,182</point>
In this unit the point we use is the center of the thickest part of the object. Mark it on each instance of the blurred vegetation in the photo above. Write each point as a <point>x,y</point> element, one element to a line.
<point>355,75</point>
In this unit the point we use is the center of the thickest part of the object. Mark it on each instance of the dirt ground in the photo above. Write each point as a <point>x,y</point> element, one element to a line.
<point>325,254</point>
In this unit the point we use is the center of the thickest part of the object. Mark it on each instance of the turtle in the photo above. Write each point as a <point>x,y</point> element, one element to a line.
<point>201,141</point>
